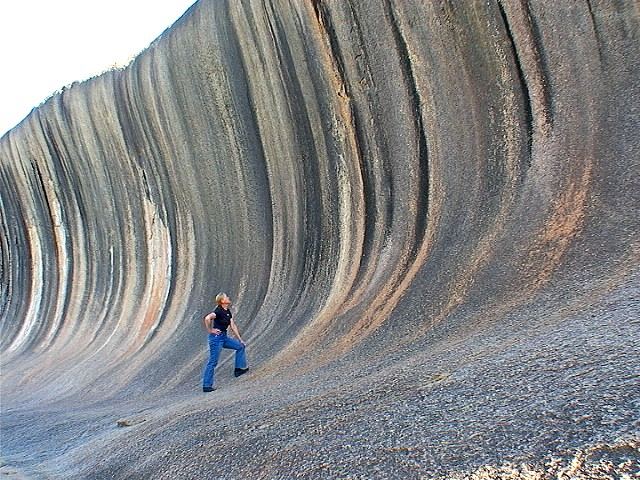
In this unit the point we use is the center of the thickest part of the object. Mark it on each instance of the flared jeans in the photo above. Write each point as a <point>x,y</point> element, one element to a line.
<point>216,344</point>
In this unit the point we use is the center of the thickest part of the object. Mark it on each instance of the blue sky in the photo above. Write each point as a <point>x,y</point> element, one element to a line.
<point>47,44</point>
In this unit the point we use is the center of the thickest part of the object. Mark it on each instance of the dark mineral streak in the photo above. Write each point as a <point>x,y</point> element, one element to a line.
<point>426,212</point>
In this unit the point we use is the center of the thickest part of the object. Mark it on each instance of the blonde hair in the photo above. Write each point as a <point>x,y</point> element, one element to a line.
<point>220,296</point>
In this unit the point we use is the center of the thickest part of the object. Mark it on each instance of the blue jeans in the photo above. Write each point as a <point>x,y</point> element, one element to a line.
<point>216,344</point>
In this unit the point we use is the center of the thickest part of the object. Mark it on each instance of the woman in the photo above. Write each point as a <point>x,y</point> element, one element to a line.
<point>217,323</point>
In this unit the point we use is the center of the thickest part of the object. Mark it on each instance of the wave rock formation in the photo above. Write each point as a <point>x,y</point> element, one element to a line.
<point>426,213</point>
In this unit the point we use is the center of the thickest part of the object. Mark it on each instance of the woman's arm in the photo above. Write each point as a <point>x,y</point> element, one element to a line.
<point>235,331</point>
<point>208,324</point>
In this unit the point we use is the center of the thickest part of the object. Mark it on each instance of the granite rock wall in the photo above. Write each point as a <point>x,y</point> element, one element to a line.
<point>370,181</point>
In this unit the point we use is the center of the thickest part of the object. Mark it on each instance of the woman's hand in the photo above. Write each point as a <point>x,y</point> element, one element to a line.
<point>215,331</point>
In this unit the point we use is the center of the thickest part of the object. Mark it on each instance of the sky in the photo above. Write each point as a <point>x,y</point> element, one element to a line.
<point>47,44</point>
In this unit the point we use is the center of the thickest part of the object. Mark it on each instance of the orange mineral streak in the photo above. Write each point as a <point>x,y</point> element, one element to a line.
<point>546,254</point>
<point>564,224</point>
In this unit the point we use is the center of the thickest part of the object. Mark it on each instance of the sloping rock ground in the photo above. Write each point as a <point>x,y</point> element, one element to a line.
<point>426,213</point>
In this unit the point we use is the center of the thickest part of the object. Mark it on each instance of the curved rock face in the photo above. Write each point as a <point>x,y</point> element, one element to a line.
<point>426,213</point>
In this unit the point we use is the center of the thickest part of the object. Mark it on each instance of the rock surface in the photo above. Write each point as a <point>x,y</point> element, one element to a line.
<point>427,214</point>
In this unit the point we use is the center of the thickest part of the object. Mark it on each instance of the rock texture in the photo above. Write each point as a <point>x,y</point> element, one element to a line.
<point>427,214</point>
